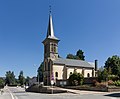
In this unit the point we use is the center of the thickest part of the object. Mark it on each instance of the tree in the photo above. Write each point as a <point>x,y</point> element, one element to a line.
<point>102,74</point>
<point>80,55</point>
<point>2,83</point>
<point>27,80</point>
<point>40,72</point>
<point>21,78</point>
<point>76,79</point>
<point>71,56</point>
<point>109,71</point>
<point>100,78</point>
<point>10,78</point>
<point>113,63</point>
<point>105,74</point>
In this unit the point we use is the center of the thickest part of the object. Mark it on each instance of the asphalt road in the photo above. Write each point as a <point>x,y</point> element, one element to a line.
<point>19,93</point>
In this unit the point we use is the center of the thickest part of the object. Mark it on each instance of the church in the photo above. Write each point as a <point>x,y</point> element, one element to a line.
<point>59,69</point>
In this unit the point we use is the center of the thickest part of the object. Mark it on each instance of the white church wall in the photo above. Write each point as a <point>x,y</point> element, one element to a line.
<point>69,70</point>
<point>59,69</point>
<point>79,70</point>
<point>86,71</point>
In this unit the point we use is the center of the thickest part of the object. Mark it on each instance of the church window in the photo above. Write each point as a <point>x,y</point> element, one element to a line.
<point>48,66</point>
<point>53,47</point>
<point>56,74</point>
<point>95,74</point>
<point>88,75</point>
<point>45,48</point>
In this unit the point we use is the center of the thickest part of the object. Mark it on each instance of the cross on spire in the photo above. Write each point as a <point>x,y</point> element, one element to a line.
<point>50,9</point>
<point>50,31</point>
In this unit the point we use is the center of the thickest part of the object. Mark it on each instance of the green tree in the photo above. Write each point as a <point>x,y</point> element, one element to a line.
<point>113,63</point>
<point>102,74</point>
<point>21,78</point>
<point>105,74</point>
<point>27,80</point>
<point>76,79</point>
<point>10,78</point>
<point>100,77</point>
<point>80,55</point>
<point>109,71</point>
<point>71,56</point>
<point>2,82</point>
<point>40,72</point>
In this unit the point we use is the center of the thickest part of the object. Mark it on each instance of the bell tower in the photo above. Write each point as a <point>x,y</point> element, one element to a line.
<point>50,51</point>
<point>50,42</point>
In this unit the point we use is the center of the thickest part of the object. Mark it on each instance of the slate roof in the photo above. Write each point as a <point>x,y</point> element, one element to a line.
<point>73,62</point>
<point>50,31</point>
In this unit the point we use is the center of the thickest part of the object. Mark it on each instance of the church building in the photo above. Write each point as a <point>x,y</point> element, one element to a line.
<point>56,68</point>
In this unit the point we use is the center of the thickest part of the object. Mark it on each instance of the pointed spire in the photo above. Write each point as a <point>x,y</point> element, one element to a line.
<point>50,31</point>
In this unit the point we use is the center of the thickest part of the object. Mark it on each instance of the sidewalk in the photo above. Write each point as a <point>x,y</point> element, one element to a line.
<point>5,95</point>
<point>81,91</point>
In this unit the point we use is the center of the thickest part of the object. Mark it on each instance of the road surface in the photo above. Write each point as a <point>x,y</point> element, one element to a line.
<point>19,93</point>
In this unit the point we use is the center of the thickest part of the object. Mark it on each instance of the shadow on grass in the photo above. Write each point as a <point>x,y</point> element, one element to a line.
<point>113,95</point>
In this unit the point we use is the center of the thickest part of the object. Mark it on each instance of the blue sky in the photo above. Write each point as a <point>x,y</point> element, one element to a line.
<point>90,25</point>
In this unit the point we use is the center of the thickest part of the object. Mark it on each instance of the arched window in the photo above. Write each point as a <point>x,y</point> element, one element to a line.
<point>45,49</point>
<point>52,48</point>
<point>70,73</point>
<point>88,75</point>
<point>49,66</point>
<point>56,74</point>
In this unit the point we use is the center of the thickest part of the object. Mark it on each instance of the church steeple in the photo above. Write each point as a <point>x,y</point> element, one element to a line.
<point>50,30</point>
<point>50,42</point>
<point>50,49</point>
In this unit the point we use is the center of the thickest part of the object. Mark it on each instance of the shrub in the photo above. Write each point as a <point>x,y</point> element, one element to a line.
<point>100,85</point>
<point>94,82</point>
<point>117,83</point>
<point>112,77</point>
<point>76,79</point>
<point>2,83</point>
<point>110,82</point>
